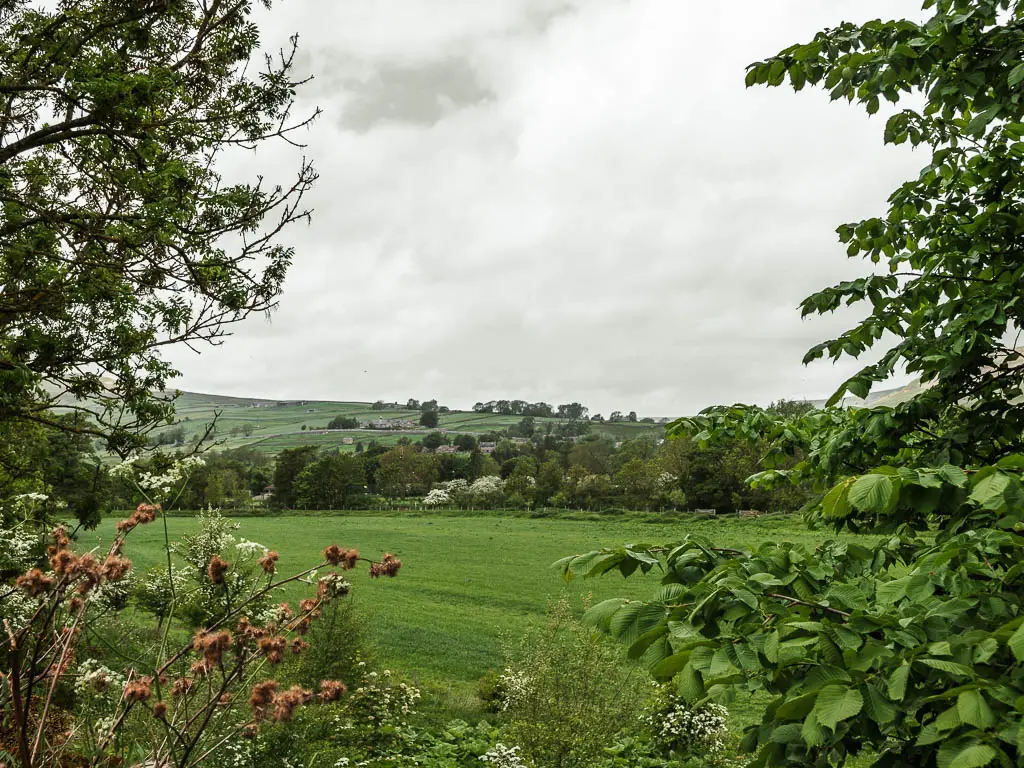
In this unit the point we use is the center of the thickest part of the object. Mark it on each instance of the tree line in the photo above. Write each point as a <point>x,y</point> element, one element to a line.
<point>532,470</point>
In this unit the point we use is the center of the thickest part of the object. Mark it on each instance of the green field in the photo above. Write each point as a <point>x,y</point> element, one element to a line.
<point>276,425</point>
<point>466,582</point>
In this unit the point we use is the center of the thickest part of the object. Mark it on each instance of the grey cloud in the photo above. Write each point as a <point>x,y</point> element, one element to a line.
<point>420,94</point>
<point>580,205</point>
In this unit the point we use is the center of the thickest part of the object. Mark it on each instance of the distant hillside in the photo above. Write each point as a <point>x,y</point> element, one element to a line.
<point>887,397</point>
<point>272,425</point>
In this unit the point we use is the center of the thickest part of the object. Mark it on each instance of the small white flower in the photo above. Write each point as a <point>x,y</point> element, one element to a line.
<point>501,756</point>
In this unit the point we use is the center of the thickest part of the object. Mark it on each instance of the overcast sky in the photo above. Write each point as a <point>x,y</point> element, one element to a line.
<point>561,200</point>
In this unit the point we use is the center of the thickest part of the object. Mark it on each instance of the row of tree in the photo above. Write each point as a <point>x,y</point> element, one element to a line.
<point>594,473</point>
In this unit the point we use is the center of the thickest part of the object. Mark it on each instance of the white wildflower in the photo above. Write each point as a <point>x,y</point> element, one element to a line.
<point>501,756</point>
<point>16,548</point>
<point>246,548</point>
<point>32,497</point>
<point>515,686</point>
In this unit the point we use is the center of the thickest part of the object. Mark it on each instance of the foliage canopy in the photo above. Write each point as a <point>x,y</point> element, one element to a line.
<point>118,233</point>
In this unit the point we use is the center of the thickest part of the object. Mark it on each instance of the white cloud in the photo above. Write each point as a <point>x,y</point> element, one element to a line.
<point>559,202</point>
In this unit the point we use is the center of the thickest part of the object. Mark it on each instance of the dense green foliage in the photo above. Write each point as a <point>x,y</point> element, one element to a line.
<point>910,650</point>
<point>116,228</point>
<point>565,695</point>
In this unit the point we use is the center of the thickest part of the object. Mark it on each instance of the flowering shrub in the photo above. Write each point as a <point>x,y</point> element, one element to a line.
<point>501,756</point>
<point>514,688</point>
<point>17,548</point>
<point>156,485</point>
<point>168,707</point>
<point>98,690</point>
<point>381,704</point>
<point>328,737</point>
<point>155,590</point>
<point>458,491</point>
<point>681,730</point>
<point>209,585</point>
<point>487,491</point>
<point>438,497</point>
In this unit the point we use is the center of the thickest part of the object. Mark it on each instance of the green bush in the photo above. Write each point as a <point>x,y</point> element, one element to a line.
<point>490,691</point>
<point>338,648</point>
<point>567,693</point>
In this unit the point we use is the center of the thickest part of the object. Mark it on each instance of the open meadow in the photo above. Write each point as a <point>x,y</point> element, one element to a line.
<point>467,583</point>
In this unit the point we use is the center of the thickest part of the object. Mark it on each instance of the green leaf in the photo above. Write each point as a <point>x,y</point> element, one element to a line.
<point>848,595</point>
<point>898,682</point>
<point>669,667</point>
<point>947,666</point>
<point>836,504</point>
<point>600,614</point>
<point>871,493</point>
<point>980,121</point>
<point>878,707</point>
<point>953,475</point>
<point>974,710</point>
<point>948,720</point>
<point>790,733</point>
<point>1016,643</point>
<point>634,619</point>
<point>812,732</point>
<point>796,707</point>
<point>690,687</point>
<point>1014,461</point>
<point>989,493</point>
<point>836,703</point>
<point>965,753</point>
<point>1016,75</point>
<point>888,592</point>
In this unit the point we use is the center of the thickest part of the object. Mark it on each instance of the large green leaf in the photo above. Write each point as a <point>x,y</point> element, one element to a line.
<point>990,491</point>
<point>898,682</point>
<point>974,710</point>
<point>1016,75</point>
<point>965,753</point>
<point>836,703</point>
<point>634,619</point>
<point>836,504</point>
<point>600,614</point>
<point>871,493</point>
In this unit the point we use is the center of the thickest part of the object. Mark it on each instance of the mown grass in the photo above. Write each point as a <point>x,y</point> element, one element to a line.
<point>467,583</point>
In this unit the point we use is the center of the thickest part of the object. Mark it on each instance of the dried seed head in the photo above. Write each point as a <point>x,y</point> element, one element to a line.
<point>139,689</point>
<point>262,698</point>
<point>116,568</point>
<point>216,569</point>
<point>34,582</point>
<point>331,690</point>
<point>269,562</point>
<point>273,648</point>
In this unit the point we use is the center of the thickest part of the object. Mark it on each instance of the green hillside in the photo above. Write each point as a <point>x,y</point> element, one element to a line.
<point>272,425</point>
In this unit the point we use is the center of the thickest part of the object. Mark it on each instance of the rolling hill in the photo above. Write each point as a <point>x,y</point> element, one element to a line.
<point>272,425</point>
